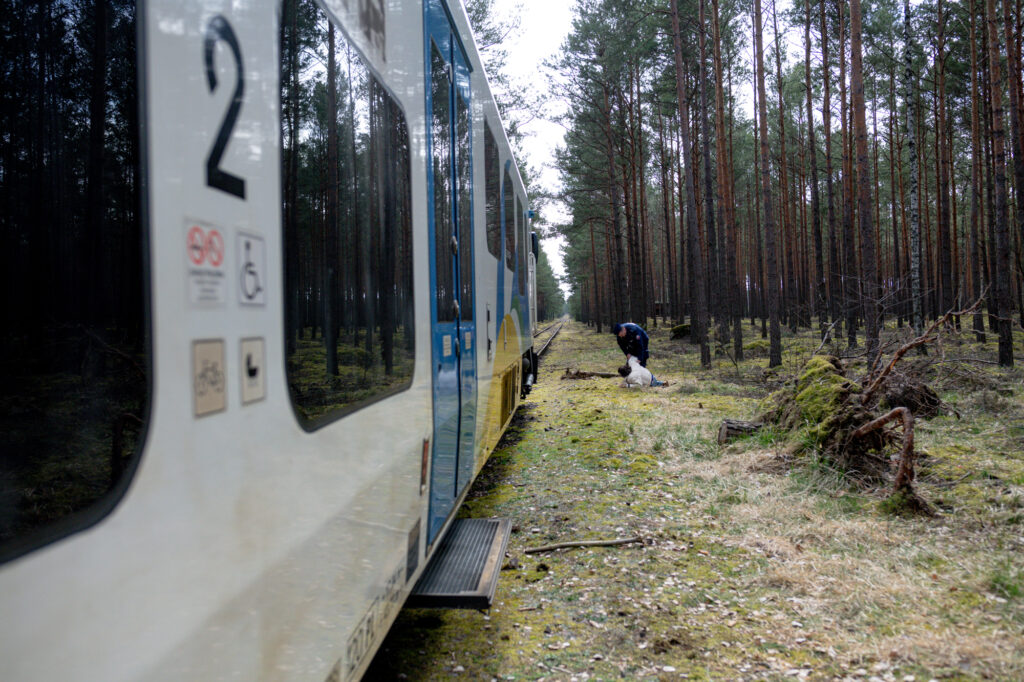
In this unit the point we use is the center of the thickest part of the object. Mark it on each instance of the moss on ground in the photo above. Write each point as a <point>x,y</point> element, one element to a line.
<point>746,570</point>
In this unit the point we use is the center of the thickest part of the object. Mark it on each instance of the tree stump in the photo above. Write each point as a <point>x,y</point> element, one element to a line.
<point>734,428</point>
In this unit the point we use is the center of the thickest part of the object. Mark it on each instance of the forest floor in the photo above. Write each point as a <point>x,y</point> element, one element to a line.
<point>754,563</point>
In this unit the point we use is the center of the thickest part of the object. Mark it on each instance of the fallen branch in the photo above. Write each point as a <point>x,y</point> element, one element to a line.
<point>827,337</point>
<point>583,543</point>
<point>905,348</point>
<point>581,374</point>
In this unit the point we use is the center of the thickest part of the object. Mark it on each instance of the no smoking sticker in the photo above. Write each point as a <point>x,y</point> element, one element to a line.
<point>204,250</point>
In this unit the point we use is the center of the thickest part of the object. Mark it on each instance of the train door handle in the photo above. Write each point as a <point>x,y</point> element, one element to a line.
<point>455,245</point>
<point>456,309</point>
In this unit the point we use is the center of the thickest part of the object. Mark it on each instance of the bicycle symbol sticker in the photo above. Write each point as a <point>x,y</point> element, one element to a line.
<point>209,389</point>
<point>252,269</point>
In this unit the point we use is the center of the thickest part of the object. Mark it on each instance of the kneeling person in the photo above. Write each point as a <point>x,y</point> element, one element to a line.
<point>635,374</point>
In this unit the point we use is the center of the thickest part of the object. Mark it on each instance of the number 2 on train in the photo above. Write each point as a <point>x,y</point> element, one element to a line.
<point>219,29</point>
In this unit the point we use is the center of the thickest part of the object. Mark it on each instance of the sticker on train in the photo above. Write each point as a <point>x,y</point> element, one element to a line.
<point>252,269</point>
<point>209,388</point>
<point>253,370</point>
<point>205,257</point>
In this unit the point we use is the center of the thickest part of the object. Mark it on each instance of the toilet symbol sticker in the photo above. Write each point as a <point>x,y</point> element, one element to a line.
<point>252,269</point>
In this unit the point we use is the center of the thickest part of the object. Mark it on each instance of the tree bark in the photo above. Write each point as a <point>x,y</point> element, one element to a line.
<point>910,95</point>
<point>871,302</point>
<point>850,289</point>
<point>772,284</point>
<point>819,277</point>
<point>715,293</point>
<point>1002,270</point>
<point>725,202</point>
<point>976,199</point>
<point>699,313</point>
<point>945,263</point>
<point>330,242</point>
<point>834,295</point>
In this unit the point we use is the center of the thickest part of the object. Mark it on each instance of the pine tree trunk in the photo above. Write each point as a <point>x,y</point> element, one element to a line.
<point>715,293</point>
<point>1013,68</point>
<point>330,242</point>
<point>726,205</point>
<point>819,277</point>
<point>850,290</point>
<point>945,263</point>
<point>775,332</point>
<point>786,228</point>
<point>834,295</point>
<point>871,303</point>
<point>698,314</point>
<point>95,194</point>
<point>1001,226</point>
<point>976,219</point>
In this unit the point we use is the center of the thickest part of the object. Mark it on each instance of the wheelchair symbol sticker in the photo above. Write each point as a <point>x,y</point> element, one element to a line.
<point>252,269</point>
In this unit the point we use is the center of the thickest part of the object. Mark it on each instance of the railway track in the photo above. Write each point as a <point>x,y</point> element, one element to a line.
<point>547,341</point>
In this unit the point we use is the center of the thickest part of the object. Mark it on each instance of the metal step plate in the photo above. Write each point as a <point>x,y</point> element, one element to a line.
<point>463,573</point>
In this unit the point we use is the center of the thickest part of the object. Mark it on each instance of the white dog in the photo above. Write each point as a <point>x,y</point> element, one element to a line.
<point>634,374</point>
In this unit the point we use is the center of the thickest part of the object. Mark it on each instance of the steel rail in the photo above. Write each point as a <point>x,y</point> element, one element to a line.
<point>548,341</point>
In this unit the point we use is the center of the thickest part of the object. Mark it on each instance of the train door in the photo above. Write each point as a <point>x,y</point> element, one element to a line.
<point>449,178</point>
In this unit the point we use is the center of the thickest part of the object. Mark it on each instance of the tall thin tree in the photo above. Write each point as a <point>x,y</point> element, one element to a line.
<point>871,302</point>
<point>772,283</point>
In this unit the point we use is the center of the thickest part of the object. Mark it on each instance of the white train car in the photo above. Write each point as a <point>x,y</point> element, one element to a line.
<point>266,316</point>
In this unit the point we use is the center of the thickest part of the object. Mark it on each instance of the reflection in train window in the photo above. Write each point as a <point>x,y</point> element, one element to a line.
<point>510,223</point>
<point>441,153</point>
<point>492,179</point>
<point>463,153</point>
<point>347,224</point>
<point>521,231</point>
<point>74,351</point>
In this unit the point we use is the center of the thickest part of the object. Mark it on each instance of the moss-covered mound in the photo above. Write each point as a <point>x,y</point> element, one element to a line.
<point>822,410</point>
<point>681,331</point>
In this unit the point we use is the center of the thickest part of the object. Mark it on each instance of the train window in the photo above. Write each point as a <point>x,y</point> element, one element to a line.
<point>347,224</point>
<point>492,178</point>
<point>521,231</point>
<point>463,154</point>
<point>440,86</point>
<point>510,230</point>
<point>74,350</point>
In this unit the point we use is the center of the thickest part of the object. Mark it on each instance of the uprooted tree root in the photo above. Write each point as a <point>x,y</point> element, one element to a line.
<point>828,408</point>
<point>837,415</point>
<point>824,404</point>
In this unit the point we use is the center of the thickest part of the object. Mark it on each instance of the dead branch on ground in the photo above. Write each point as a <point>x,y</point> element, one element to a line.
<point>582,374</point>
<point>905,348</point>
<point>584,543</point>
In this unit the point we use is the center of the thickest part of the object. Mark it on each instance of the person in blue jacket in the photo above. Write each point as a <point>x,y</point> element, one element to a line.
<point>632,340</point>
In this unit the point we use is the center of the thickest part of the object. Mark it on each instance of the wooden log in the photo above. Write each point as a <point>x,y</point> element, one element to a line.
<point>734,428</point>
<point>582,374</point>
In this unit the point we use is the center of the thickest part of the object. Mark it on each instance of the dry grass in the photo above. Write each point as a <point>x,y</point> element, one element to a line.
<point>755,566</point>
